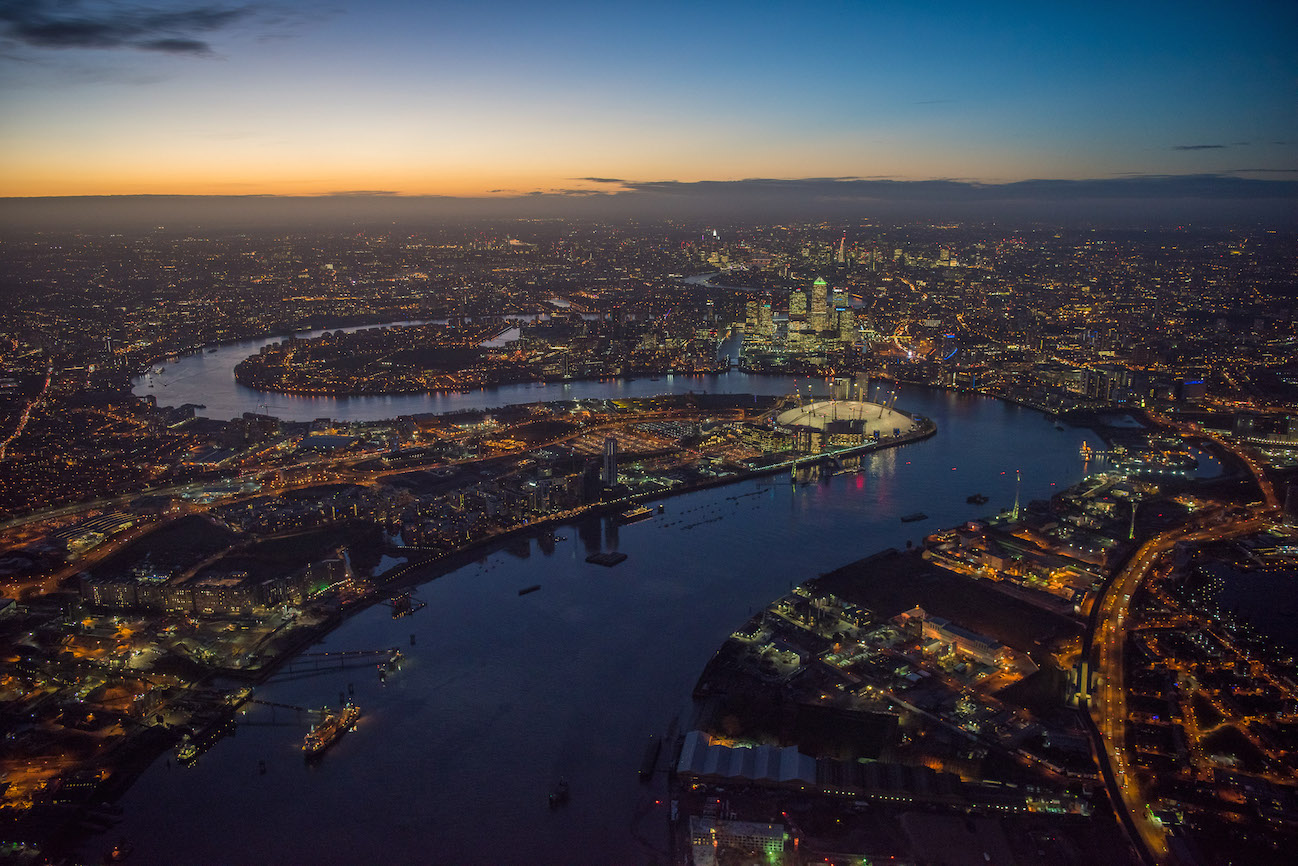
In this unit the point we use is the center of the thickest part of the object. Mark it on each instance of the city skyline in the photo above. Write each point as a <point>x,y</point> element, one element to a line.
<point>664,433</point>
<point>848,526</point>
<point>396,99</point>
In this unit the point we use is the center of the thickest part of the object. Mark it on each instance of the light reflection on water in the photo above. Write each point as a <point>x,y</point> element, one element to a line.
<point>207,379</point>
<point>502,694</point>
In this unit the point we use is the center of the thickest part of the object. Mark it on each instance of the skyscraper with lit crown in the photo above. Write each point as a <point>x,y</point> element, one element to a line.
<point>818,306</point>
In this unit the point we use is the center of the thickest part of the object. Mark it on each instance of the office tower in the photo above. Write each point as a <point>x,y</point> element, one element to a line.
<point>847,326</point>
<point>797,305</point>
<point>839,301</point>
<point>766,320</point>
<point>817,312</point>
<point>610,461</point>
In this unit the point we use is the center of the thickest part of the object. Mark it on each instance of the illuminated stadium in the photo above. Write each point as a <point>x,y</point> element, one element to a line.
<point>860,418</point>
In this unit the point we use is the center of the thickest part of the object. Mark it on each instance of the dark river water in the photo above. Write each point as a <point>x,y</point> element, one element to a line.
<point>207,379</point>
<point>503,694</point>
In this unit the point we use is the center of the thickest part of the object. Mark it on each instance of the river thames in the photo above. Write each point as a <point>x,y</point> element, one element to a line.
<point>207,379</point>
<point>501,694</point>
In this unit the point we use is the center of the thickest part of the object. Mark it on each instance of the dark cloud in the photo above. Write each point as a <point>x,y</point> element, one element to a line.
<point>364,192</point>
<point>1198,146</point>
<point>947,189</point>
<point>810,189</point>
<point>562,192</point>
<point>831,179</point>
<point>176,46</point>
<point>1139,201</point>
<point>78,24</point>
<point>601,179</point>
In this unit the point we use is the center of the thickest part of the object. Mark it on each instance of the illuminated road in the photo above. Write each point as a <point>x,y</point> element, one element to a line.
<point>1269,498</point>
<point>25,417</point>
<point>1109,704</point>
<point>301,475</point>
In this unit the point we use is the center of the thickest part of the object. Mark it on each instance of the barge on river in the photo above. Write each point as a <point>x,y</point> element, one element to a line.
<point>328,732</point>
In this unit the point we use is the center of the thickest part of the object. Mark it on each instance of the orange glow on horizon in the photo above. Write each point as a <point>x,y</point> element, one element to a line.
<point>25,184</point>
<point>121,164</point>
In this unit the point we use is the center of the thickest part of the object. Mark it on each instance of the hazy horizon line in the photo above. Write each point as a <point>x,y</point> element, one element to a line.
<point>1128,200</point>
<point>613,187</point>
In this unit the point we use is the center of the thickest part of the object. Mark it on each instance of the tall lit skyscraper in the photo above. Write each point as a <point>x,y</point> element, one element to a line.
<point>817,306</point>
<point>610,461</point>
<point>847,325</point>
<point>797,305</point>
<point>766,320</point>
<point>839,301</point>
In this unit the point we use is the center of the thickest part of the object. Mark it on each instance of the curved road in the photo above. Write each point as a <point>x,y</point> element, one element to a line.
<point>1108,707</point>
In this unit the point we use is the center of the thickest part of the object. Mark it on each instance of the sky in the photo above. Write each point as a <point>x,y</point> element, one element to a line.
<point>507,99</point>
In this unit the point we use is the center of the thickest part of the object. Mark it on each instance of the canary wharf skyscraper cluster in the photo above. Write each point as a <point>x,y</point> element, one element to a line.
<point>805,327</point>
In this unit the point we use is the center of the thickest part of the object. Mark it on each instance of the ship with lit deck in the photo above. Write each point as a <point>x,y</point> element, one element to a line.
<point>325,734</point>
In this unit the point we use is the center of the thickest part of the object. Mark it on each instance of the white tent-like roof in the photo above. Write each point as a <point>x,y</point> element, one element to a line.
<point>752,763</point>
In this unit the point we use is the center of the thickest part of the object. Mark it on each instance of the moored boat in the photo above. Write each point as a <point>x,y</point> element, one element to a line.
<point>328,732</point>
<point>631,515</point>
<point>196,743</point>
